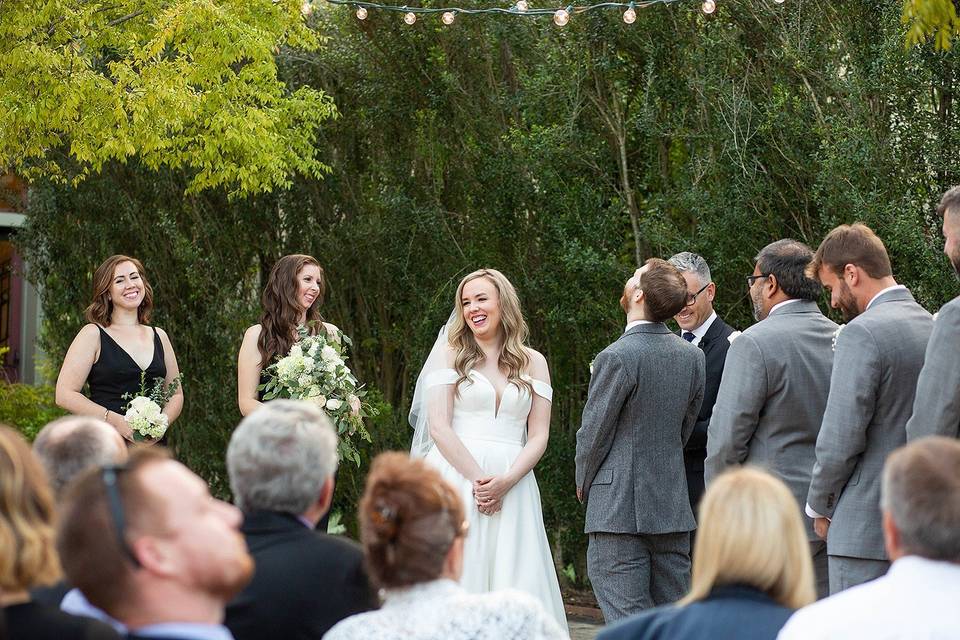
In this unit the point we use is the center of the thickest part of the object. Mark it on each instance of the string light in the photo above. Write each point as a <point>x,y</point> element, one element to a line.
<point>709,6</point>
<point>561,15</point>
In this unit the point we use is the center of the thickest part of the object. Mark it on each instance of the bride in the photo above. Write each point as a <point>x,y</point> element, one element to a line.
<point>481,414</point>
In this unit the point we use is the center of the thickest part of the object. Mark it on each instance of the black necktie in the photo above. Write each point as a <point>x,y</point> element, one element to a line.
<point>688,336</point>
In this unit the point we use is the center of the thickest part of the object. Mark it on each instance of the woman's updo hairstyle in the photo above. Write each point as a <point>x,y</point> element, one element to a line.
<point>409,519</point>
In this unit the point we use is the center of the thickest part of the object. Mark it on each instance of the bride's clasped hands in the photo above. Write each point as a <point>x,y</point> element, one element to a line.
<point>490,491</point>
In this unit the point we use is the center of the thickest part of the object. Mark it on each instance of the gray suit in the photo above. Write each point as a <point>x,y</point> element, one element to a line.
<point>642,405</point>
<point>877,361</point>
<point>936,410</point>
<point>771,403</point>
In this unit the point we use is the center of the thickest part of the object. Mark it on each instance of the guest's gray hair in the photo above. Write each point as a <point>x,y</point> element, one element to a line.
<point>694,263</point>
<point>280,456</point>
<point>72,444</point>
<point>920,490</point>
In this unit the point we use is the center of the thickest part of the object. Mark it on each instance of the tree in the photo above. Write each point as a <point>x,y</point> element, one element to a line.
<point>183,84</point>
<point>926,18</point>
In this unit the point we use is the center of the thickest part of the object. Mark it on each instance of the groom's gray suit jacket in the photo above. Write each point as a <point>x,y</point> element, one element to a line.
<point>772,397</point>
<point>876,364</point>
<point>642,405</point>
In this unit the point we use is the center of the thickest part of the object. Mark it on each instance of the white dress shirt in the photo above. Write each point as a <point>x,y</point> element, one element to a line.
<point>700,331</point>
<point>883,291</point>
<point>916,600</point>
<point>782,304</point>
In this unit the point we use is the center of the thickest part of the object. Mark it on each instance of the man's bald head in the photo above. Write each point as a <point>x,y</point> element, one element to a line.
<point>72,444</point>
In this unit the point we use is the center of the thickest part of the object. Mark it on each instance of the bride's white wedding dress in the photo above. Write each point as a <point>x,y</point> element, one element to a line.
<point>508,549</point>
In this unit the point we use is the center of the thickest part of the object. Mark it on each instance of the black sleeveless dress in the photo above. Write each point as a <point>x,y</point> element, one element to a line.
<point>115,373</point>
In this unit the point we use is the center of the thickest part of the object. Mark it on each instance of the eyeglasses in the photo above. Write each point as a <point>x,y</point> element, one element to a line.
<point>752,279</point>
<point>114,501</point>
<point>692,298</point>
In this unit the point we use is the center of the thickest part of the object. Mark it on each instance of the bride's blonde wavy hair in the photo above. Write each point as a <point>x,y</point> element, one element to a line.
<point>513,353</point>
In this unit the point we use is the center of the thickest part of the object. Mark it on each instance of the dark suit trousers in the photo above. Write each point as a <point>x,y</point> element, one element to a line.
<point>633,572</point>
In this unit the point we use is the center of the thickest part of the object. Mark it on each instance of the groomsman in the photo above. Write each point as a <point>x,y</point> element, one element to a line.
<point>936,410</point>
<point>702,327</point>
<point>644,396</point>
<point>878,357</point>
<point>775,386</point>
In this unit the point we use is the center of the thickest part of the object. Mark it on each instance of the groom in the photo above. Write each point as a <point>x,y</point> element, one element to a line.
<point>642,405</point>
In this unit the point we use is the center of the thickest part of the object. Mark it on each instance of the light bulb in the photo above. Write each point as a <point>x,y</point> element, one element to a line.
<point>561,17</point>
<point>306,8</point>
<point>630,16</point>
<point>410,17</point>
<point>448,17</point>
<point>361,13</point>
<point>709,6</point>
<point>522,5</point>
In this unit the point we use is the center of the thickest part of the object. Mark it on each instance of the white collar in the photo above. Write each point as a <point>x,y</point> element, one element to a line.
<point>701,331</point>
<point>782,304</point>
<point>883,291</point>
<point>637,323</point>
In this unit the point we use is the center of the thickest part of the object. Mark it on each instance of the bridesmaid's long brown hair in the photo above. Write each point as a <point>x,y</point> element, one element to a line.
<point>281,308</point>
<point>101,306</point>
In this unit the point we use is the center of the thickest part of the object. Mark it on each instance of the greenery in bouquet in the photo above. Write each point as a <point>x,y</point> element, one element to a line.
<point>144,411</point>
<point>315,370</point>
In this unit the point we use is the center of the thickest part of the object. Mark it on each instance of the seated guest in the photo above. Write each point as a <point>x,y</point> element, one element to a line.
<point>149,545</point>
<point>412,525</point>
<point>281,461</point>
<point>917,598</point>
<point>65,447</point>
<point>27,553</point>
<point>73,444</point>
<point>751,567</point>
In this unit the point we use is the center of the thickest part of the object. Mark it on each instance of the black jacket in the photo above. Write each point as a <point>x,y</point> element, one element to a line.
<point>304,582</point>
<point>714,345</point>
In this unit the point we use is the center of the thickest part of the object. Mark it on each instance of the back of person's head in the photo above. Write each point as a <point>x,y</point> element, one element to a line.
<point>94,558</point>
<point>27,554</point>
<point>854,244</point>
<point>409,520</point>
<point>921,492</point>
<point>787,260</point>
<point>664,290</point>
<point>280,456</point>
<point>73,444</point>
<point>750,532</point>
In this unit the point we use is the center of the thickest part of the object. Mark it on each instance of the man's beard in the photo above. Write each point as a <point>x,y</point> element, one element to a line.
<point>758,314</point>
<point>955,261</point>
<point>847,303</point>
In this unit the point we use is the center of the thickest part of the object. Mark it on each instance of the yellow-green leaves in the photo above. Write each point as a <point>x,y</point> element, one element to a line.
<point>178,83</point>
<point>926,18</point>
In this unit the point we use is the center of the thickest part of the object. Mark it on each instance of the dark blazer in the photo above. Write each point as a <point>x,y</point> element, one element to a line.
<point>714,345</point>
<point>729,613</point>
<point>304,583</point>
<point>42,622</point>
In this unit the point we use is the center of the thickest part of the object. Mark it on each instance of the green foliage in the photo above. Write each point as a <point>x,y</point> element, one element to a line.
<point>27,408</point>
<point>926,18</point>
<point>187,84</point>
<point>561,157</point>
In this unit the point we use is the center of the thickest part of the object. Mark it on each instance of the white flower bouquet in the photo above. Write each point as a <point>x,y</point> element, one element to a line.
<point>315,370</point>
<point>144,411</point>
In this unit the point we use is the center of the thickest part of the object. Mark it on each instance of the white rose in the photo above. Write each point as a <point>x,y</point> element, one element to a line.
<point>333,404</point>
<point>354,403</point>
<point>296,351</point>
<point>320,401</point>
<point>308,364</point>
<point>329,353</point>
<point>305,381</point>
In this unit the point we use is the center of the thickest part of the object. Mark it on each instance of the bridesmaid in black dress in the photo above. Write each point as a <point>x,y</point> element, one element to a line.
<point>116,348</point>
<point>291,299</point>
